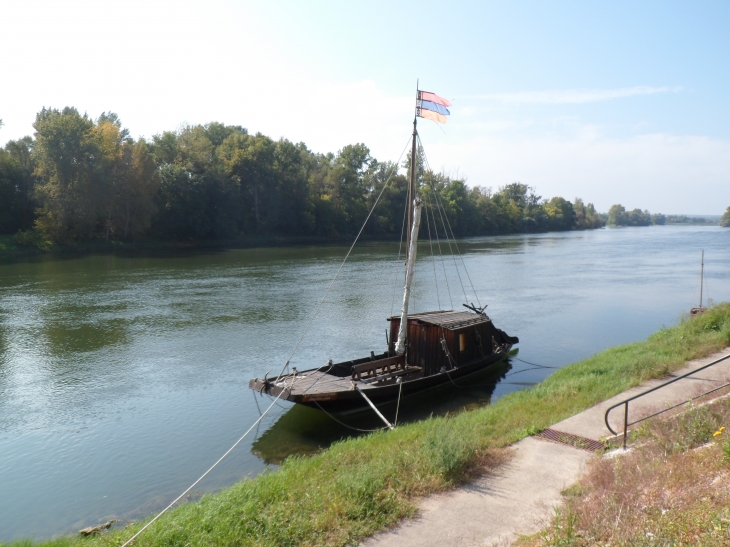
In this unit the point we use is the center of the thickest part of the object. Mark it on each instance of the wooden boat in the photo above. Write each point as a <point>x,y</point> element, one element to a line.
<point>424,350</point>
<point>443,346</point>
<point>700,309</point>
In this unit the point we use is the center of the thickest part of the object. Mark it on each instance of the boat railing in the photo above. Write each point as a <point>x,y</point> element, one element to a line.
<point>625,403</point>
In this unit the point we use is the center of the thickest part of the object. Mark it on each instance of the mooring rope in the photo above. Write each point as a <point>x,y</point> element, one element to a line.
<point>181,496</point>
<point>346,425</point>
<point>533,364</point>
<point>513,373</point>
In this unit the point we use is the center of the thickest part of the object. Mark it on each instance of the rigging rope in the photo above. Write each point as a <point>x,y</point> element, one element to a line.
<point>316,311</point>
<point>438,243</point>
<point>461,258</point>
<point>433,259</point>
<point>448,239</point>
<point>400,246</point>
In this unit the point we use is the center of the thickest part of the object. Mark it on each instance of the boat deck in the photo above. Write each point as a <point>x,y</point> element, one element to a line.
<point>321,382</point>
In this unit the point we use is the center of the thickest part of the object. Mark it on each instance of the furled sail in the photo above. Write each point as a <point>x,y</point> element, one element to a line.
<point>400,346</point>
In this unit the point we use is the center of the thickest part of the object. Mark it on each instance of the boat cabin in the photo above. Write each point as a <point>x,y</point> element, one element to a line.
<point>445,339</point>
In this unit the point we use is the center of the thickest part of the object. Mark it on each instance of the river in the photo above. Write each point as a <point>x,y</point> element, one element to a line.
<point>124,377</point>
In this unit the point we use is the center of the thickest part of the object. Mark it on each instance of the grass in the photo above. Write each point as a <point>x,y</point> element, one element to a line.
<point>363,485</point>
<point>673,488</point>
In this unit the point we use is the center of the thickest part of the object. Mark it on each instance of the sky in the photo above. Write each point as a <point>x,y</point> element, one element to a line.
<point>620,102</point>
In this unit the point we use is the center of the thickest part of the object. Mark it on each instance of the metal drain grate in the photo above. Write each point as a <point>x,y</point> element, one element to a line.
<point>576,441</point>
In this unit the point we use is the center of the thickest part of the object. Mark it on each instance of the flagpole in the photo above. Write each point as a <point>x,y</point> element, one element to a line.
<point>412,182</point>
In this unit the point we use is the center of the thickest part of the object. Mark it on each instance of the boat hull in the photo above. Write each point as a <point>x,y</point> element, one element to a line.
<point>347,401</point>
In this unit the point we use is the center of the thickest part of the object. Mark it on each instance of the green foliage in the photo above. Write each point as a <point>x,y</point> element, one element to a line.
<point>92,179</point>
<point>80,179</point>
<point>725,219</point>
<point>726,451</point>
<point>16,186</point>
<point>31,238</point>
<point>619,216</point>
<point>586,217</point>
<point>697,426</point>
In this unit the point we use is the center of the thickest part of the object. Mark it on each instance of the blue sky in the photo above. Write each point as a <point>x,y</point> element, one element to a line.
<point>617,102</point>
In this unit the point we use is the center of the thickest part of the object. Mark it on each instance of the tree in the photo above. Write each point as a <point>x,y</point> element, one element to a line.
<point>586,217</point>
<point>725,219</point>
<point>65,154</point>
<point>81,178</point>
<point>346,184</point>
<point>619,216</point>
<point>196,199</point>
<point>294,210</point>
<point>457,200</point>
<point>249,161</point>
<point>388,216</point>
<point>16,186</point>
<point>111,165</point>
<point>560,214</point>
<point>135,204</point>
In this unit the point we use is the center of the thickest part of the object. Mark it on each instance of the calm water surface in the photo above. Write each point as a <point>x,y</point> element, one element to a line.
<point>123,378</point>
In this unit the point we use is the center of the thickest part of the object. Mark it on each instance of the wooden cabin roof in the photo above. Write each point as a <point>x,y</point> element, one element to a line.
<point>449,319</point>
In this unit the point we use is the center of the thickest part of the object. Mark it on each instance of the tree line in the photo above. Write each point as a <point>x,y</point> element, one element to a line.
<point>619,216</point>
<point>79,179</point>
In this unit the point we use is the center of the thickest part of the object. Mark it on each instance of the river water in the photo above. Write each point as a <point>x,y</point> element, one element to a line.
<point>123,378</point>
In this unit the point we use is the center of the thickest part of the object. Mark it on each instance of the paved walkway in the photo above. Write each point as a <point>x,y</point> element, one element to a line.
<point>520,496</point>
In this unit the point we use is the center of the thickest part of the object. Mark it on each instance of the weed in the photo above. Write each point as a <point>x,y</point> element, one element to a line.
<point>573,491</point>
<point>651,496</point>
<point>726,451</point>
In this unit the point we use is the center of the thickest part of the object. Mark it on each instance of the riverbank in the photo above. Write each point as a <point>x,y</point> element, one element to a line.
<point>10,250</point>
<point>672,487</point>
<point>363,485</point>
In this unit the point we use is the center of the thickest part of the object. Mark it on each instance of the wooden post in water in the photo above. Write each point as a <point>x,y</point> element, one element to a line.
<point>702,276</point>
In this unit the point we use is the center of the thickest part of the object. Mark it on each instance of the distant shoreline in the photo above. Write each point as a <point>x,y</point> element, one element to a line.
<point>10,251</point>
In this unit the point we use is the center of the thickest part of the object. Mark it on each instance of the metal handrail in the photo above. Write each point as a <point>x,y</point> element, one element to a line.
<point>655,388</point>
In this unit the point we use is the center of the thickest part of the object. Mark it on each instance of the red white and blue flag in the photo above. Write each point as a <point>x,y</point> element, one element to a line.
<point>432,107</point>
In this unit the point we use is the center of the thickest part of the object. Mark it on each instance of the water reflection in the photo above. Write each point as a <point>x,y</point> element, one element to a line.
<point>65,338</point>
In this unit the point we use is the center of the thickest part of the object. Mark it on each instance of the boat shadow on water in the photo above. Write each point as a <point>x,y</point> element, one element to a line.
<point>301,430</point>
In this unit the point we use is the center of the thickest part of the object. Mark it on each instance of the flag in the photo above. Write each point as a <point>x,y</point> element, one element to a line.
<point>432,107</point>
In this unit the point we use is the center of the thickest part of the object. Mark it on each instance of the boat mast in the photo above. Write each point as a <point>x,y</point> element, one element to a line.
<point>414,222</point>
<point>411,186</point>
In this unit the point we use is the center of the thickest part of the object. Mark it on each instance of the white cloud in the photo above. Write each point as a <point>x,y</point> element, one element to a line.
<point>660,172</point>
<point>572,96</point>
